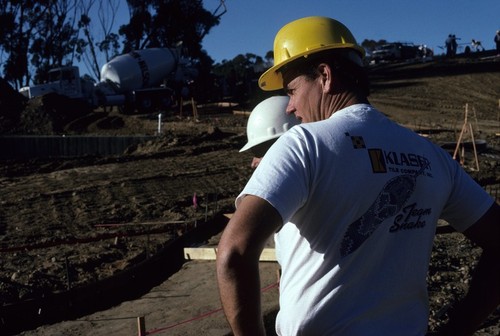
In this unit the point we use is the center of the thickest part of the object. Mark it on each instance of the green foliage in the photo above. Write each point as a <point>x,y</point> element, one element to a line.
<point>371,45</point>
<point>164,23</point>
<point>238,78</point>
<point>36,35</point>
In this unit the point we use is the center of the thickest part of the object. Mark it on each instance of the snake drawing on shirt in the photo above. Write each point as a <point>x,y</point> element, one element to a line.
<point>388,203</point>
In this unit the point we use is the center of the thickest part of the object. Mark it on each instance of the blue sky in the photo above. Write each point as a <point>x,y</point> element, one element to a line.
<point>249,26</point>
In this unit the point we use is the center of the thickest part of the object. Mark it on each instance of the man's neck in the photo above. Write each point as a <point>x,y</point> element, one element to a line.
<point>345,99</point>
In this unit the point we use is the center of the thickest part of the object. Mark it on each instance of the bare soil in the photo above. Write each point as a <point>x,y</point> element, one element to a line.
<point>68,222</point>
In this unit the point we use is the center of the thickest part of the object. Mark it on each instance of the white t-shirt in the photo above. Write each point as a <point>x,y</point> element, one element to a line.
<point>360,196</point>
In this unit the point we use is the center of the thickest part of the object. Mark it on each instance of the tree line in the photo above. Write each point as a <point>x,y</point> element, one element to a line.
<point>37,35</point>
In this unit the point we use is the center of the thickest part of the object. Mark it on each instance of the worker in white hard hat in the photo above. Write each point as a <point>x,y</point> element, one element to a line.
<point>353,200</point>
<point>267,121</point>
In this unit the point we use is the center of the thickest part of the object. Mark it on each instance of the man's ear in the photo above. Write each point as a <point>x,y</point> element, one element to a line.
<point>326,77</point>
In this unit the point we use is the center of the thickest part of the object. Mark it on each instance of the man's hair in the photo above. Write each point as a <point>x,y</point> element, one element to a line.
<point>353,75</point>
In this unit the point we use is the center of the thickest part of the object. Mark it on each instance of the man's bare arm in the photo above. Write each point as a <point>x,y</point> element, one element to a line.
<point>483,295</point>
<point>238,255</point>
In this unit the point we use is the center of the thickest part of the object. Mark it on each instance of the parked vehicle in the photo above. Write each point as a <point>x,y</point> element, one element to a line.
<point>135,81</point>
<point>387,52</point>
<point>399,51</point>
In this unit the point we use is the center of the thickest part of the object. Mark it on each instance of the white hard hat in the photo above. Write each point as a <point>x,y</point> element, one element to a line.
<point>268,121</point>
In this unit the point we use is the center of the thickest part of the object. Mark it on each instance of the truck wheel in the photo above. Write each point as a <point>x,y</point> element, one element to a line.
<point>126,108</point>
<point>166,102</point>
<point>147,103</point>
<point>145,106</point>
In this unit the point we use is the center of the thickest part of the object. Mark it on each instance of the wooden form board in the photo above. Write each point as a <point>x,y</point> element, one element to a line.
<point>210,253</point>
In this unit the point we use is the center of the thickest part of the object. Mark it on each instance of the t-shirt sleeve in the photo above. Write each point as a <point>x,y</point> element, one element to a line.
<point>282,176</point>
<point>468,201</point>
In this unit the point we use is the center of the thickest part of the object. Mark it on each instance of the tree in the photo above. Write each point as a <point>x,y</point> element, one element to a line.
<point>138,27</point>
<point>164,23</point>
<point>371,45</point>
<point>168,23</point>
<point>55,36</point>
<point>36,36</point>
<point>98,34</point>
<point>240,76</point>
<point>14,39</point>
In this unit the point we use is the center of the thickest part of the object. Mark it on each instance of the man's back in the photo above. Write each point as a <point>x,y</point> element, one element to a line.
<point>361,205</point>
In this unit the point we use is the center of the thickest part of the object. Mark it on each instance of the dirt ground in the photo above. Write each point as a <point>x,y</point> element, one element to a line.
<point>59,218</point>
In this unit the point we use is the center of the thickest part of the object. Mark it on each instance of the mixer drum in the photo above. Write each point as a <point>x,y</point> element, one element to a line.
<point>139,69</point>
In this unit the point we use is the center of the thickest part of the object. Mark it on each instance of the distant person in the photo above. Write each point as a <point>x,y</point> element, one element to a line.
<point>424,52</point>
<point>352,199</point>
<point>454,45</point>
<point>449,46</point>
<point>476,45</point>
<point>267,121</point>
<point>497,42</point>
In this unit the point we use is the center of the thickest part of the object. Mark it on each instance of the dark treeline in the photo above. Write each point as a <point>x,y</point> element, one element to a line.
<point>36,36</point>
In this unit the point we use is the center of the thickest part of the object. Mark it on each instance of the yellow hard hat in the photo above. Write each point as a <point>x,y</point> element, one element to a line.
<point>303,37</point>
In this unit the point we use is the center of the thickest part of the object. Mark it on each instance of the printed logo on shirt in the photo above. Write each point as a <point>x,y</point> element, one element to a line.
<point>358,142</point>
<point>410,217</point>
<point>383,161</point>
<point>398,162</point>
<point>377,160</point>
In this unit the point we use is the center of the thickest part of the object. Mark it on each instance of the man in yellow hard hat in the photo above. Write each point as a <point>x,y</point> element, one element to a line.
<point>353,200</point>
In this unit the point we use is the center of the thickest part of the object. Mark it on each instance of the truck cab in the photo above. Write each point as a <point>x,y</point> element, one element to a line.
<point>64,81</point>
<point>396,51</point>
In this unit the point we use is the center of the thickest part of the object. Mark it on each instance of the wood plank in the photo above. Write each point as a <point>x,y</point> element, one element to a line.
<point>200,253</point>
<point>210,253</point>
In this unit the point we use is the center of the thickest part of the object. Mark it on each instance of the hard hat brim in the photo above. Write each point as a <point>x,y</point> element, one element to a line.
<point>258,141</point>
<point>272,79</point>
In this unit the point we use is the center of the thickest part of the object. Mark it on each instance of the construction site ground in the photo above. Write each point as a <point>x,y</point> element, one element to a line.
<point>67,222</point>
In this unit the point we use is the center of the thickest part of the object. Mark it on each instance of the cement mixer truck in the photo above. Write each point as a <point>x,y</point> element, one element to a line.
<point>135,81</point>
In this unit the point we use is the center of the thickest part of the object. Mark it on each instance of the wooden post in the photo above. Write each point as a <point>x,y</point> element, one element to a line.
<point>474,147</point>
<point>475,118</point>
<point>195,109</point>
<point>210,253</point>
<point>141,326</point>
<point>466,128</point>
<point>159,124</point>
